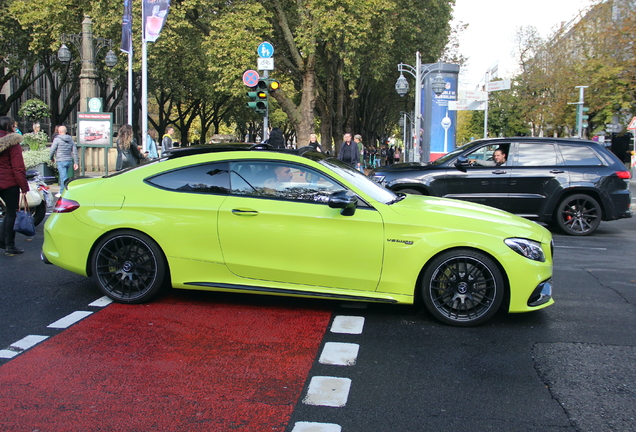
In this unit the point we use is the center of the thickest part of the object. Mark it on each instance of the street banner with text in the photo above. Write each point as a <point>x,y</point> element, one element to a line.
<point>126,28</point>
<point>155,15</point>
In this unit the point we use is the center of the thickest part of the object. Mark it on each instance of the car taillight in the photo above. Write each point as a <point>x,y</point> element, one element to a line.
<point>64,205</point>
<point>626,175</point>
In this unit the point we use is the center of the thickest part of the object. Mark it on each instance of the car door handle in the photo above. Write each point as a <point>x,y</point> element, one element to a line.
<point>242,212</point>
<point>499,172</point>
<point>556,171</point>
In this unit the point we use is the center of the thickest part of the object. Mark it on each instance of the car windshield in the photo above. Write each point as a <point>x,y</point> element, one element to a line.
<point>356,178</point>
<point>449,156</point>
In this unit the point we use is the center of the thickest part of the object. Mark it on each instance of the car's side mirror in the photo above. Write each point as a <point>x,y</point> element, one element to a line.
<point>345,200</point>
<point>461,163</point>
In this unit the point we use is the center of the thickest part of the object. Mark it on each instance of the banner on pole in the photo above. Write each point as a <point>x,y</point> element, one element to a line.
<point>155,15</point>
<point>126,28</point>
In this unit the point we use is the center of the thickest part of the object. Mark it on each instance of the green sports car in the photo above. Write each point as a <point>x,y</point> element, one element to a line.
<point>297,223</point>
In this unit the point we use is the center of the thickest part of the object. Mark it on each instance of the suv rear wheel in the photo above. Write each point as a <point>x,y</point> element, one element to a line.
<point>578,215</point>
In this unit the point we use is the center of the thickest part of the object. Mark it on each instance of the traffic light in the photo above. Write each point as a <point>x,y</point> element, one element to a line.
<point>584,116</point>
<point>258,99</point>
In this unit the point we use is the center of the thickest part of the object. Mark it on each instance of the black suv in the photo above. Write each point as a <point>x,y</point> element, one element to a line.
<point>571,183</point>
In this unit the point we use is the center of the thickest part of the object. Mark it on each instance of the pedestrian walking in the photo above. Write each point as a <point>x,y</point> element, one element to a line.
<point>358,140</point>
<point>151,145</point>
<point>64,154</point>
<point>313,142</point>
<point>128,154</point>
<point>349,152</point>
<point>166,141</point>
<point>12,181</point>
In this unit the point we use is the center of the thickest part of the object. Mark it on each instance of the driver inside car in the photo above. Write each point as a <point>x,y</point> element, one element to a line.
<point>498,159</point>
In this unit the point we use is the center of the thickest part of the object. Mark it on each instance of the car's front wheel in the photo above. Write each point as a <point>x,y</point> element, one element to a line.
<point>462,287</point>
<point>128,266</point>
<point>578,215</point>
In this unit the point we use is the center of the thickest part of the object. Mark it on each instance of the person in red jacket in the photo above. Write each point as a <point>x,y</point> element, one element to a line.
<point>12,180</point>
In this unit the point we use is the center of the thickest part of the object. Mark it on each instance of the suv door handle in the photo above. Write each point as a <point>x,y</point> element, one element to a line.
<point>557,171</point>
<point>499,172</point>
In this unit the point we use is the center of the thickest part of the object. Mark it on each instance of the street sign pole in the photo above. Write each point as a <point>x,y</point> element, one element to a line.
<point>265,53</point>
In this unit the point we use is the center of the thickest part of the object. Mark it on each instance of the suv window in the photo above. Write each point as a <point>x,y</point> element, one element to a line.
<point>281,180</point>
<point>210,178</point>
<point>535,154</point>
<point>579,155</point>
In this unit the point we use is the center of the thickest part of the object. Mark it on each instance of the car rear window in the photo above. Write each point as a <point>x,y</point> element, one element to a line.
<point>579,155</point>
<point>211,178</point>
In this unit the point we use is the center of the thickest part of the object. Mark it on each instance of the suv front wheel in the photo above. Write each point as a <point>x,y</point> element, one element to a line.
<point>578,215</point>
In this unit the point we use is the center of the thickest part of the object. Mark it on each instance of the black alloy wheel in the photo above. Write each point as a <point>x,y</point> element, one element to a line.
<point>578,215</point>
<point>128,266</point>
<point>462,288</point>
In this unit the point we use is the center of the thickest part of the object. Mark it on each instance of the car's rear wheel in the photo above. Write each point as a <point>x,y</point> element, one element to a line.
<point>128,266</point>
<point>462,287</point>
<point>578,215</point>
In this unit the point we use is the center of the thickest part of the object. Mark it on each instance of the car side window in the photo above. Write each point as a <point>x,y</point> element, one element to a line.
<point>578,155</point>
<point>535,154</point>
<point>212,178</point>
<point>281,180</point>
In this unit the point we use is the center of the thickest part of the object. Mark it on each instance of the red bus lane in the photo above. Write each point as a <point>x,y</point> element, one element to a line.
<point>171,365</point>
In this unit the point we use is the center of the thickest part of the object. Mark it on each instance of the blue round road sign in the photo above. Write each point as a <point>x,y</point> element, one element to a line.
<point>250,78</point>
<point>265,50</point>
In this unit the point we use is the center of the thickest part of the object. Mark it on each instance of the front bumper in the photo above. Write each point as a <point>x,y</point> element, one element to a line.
<point>541,295</point>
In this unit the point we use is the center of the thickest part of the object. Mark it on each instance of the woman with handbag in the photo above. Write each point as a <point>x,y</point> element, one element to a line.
<point>12,180</point>
<point>128,154</point>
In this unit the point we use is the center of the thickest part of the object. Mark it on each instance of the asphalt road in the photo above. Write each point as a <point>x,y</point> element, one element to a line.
<point>570,367</point>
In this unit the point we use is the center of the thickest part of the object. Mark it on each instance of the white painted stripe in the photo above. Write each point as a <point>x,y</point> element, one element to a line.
<point>101,302</point>
<point>8,354</point>
<point>347,324</point>
<point>69,319</point>
<point>580,247</point>
<point>28,342</point>
<point>339,354</point>
<point>354,305</point>
<point>328,391</point>
<point>316,427</point>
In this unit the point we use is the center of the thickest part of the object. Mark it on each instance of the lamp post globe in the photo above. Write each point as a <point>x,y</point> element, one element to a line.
<point>111,59</point>
<point>402,86</point>
<point>64,54</point>
<point>438,85</point>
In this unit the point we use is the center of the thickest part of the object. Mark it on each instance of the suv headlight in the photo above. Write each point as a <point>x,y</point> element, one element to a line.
<point>527,248</point>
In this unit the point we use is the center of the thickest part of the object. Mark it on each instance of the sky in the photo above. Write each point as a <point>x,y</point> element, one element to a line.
<point>489,38</point>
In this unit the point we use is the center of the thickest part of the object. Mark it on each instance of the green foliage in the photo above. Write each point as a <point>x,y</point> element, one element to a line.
<point>33,158</point>
<point>34,110</point>
<point>35,140</point>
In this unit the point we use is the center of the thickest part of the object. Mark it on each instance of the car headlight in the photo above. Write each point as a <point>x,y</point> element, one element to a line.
<point>527,248</point>
<point>378,179</point>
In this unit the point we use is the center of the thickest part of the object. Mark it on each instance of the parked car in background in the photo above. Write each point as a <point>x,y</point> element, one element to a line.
<point>569,183</point>
<point>294,223</point>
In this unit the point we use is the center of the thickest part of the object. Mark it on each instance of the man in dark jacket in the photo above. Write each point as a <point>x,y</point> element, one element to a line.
<point>64,153</point>
<point>349,152</point>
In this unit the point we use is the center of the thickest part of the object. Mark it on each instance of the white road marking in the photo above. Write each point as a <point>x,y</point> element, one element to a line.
<point>347,324</point>
<point>28,342</point>
<point>101,302</point>
<point>69,319</point>
<point>328,391</point>
<point>316,427</point>
<point>580,247</point>
<point>339,354</point>
<point>8,353</point>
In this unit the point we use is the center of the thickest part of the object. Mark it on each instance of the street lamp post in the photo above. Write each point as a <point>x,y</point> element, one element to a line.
<point>87,46</point>
<point>402,87</point>
<point>407,136</point>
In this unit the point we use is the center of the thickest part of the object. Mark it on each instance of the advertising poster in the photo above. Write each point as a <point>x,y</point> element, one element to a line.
<point>443,120</point>
<point>95,129</point>
<point>155,15</point>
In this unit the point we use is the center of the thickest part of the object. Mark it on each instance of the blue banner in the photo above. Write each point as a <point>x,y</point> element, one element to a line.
<point>126,28</point>
<point>443,122</point>
<point>155,15</point>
